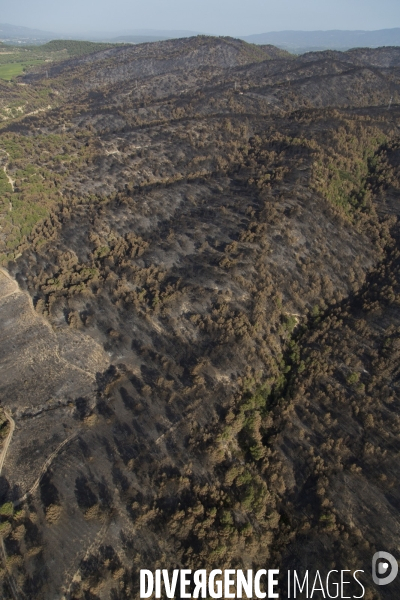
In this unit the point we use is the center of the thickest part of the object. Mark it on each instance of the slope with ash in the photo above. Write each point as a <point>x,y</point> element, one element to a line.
<point>217,250</point>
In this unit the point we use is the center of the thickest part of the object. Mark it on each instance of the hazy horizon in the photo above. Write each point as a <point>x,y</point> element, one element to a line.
<point>216,17</point>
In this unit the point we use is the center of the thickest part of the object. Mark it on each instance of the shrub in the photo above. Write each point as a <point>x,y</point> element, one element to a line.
<point>353,378</point>
<point>7,509</point>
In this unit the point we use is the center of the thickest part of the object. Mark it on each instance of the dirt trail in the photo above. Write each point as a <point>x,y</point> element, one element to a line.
<point>11,582</point>
<point>44,468</point>
<point>10,180</point>
<point>8,440</point>
<point>14,290</point>
<point>8,416</point>
<point>16,286</point>
<point>38,110</point>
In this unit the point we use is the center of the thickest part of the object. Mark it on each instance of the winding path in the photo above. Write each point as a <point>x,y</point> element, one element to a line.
<point>11,582</point>
<point>44,468</point>
<point>8,416</point>
<point>11,289</point>
<point>8,440</point>
<point>60,447</point>
<point>10,180</point>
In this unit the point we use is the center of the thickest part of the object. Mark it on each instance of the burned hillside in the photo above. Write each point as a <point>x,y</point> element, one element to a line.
<point>201,349</point>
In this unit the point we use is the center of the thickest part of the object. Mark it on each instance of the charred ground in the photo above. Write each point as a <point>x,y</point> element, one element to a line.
<point>208,230</point>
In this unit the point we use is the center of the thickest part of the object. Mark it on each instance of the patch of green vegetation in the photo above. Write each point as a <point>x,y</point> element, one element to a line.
<point>25,214</point>
<point>11,70</point>
<point>342,173</point>
<point>353,378</point>
<point>36,184</point>
<point>289,322</point>
<point>75,47</point>
<point>7,509</point>
<point>103,251</point>
<point>5,528</point>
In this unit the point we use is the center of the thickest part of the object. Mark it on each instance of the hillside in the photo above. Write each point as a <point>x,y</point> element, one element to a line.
<point>200,308</point>
<point>16,59</point>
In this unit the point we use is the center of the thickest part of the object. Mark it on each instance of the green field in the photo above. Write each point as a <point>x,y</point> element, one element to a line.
<point>12,69</point>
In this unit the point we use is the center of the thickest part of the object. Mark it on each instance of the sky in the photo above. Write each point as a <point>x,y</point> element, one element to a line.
<point>220,17</point>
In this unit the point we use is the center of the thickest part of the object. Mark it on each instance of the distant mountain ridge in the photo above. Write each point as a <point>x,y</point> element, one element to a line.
<point>15,32</point>
<point>303,41</point>
<point>292,41</point>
